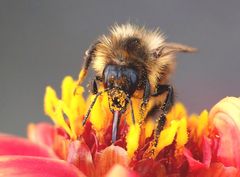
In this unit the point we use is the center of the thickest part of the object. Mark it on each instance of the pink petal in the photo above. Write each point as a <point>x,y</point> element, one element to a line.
<point>196,164</point>
<point>225,116</point>
<point>80,155</point>
<point>120,171</point>
<point>193,163</point>
<point>12,145</point>
<point>207,152</point>
<point>23,166</point>
<point>216,170</point>
<point>41,133</point>
<point>109,157</point>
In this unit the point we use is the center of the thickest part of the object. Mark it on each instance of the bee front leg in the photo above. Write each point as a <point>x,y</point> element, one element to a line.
<point>146,96</point>
<point>93,87</point>
<point>167,105</point>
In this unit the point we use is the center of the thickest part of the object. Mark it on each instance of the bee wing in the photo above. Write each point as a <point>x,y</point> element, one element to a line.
<point>171,48</point>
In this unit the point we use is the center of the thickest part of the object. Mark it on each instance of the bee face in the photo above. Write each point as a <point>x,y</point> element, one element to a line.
<point>120,77</point>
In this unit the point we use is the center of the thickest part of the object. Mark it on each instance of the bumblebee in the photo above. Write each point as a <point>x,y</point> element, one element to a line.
<point>132,61</point>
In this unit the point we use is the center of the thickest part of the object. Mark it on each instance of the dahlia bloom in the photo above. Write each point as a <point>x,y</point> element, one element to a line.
<point>197,145</point>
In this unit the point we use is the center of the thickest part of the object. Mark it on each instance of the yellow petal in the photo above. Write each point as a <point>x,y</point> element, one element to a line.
<point>78,105</point>
<point>182,135</point>
<point>98,114</point>
<point>177,112</point>
<point>202,123</point>
<point>50,102</point>
<point>149,127</point>
<point>68,87</point>
<point>166,136</point>
<point>72,119</point>
<point>60,121</point>
<point>132,139</point>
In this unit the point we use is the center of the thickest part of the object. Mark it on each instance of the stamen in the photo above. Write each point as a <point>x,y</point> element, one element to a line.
<point>132,139</point>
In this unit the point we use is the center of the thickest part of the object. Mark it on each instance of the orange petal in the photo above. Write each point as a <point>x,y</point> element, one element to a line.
<point>120,171</point>
<point>41,133</point>
<point>11,145</point>
<point>225,117</point>
<point>109,157</point>
<point>216,170</point>
<point>80,155</point>
<point>22,166</point>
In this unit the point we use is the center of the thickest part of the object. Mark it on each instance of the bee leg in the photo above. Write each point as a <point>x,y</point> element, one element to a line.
<point>88,57</point>
<point>94,87</point>
<point>90,108</point>
<point>146,96</point>
<point>167,105</point>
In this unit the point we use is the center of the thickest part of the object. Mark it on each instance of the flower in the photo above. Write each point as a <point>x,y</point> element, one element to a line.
<point>197,145</point>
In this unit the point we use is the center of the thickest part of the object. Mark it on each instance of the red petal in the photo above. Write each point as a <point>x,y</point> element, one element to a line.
<point>90,138</point>
<point>109,157</point>
<point>11,145</point>
<point>194,164</point>
<point>41,133</point>
<point>226,118</point>
<point>207,152</point>
<point>80,155</point>
<point>150,168</point>
<point>120,171</point>
<point>216,170</point>
<point>22,166</point>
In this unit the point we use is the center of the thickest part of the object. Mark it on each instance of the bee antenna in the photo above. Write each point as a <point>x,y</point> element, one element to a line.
<point>91,106</point>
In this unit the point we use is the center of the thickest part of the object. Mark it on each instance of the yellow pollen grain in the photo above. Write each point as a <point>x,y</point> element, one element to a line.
<point>132,139</point>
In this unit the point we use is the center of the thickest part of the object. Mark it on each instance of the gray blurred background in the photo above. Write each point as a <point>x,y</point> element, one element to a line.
<point>42,41</point>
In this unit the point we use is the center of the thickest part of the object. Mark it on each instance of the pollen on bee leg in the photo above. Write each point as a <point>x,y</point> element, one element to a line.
<point>81,76</point>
